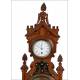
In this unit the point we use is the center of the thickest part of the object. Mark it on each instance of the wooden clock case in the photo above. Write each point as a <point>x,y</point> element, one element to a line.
<point>42,68</point>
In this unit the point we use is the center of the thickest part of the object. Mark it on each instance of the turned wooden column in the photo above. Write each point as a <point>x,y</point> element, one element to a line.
<point>24,67</point>
<point>60,69</point>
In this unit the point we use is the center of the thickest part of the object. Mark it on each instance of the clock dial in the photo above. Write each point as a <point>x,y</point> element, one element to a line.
<point>42,48</point>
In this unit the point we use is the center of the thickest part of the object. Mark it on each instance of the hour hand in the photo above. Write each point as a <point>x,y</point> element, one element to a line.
<point>41,47</point>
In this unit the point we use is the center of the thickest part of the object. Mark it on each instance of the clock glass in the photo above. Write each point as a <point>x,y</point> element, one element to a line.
<point>42,48</point>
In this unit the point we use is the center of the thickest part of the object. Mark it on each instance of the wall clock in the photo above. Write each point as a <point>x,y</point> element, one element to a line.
<point>42,40</point>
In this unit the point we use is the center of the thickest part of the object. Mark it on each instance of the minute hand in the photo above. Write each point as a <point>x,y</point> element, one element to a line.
<point>41,47</point>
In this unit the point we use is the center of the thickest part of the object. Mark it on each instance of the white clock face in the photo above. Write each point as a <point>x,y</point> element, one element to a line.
<point>42,48</point>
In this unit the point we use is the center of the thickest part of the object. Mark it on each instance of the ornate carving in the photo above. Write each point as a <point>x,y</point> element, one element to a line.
<point>41,67</point>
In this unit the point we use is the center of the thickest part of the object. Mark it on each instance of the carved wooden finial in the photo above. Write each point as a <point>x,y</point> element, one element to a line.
<point>60,59</point>
<point>43,7</point>
<point>24,57</point>
<point>24,67</point>
<point>43,16</point>
<point>60,69</point>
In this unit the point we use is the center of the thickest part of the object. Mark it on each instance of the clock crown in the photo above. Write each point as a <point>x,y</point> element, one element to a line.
<point>42,30</point>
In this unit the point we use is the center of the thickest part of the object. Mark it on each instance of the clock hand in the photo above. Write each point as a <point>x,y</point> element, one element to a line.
<point>41,47</point>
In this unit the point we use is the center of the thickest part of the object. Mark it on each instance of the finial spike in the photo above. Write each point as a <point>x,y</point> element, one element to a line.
<point>60,58</point>
<point>24,57</point>
<point>43,7</point>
